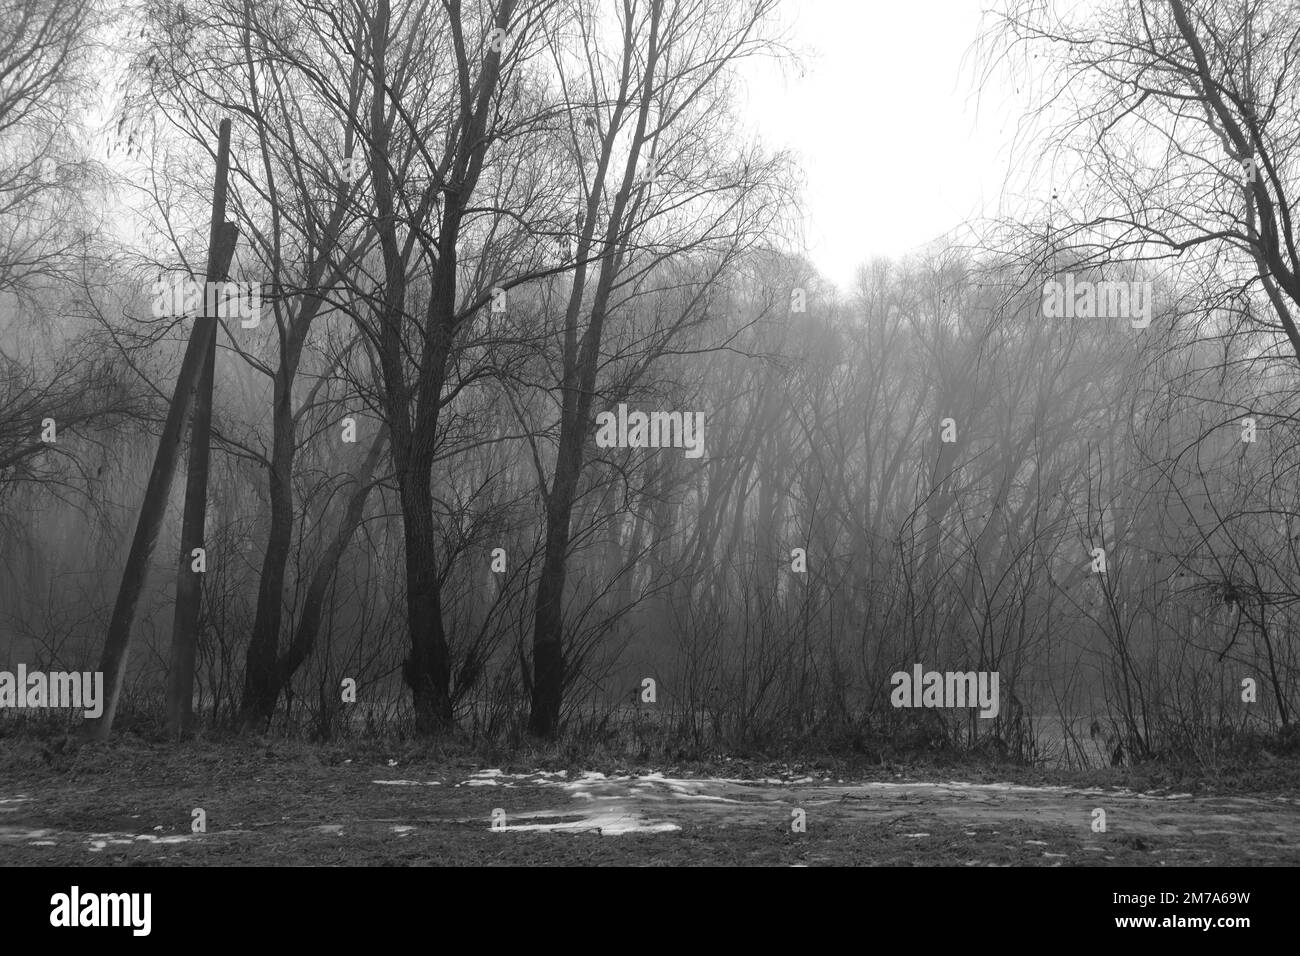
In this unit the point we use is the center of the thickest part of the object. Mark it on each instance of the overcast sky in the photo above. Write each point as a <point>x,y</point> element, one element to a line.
<point>897,147</point>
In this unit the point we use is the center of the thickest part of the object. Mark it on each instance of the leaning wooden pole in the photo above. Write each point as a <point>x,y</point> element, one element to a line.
<point>189,582</point>
<point>117,644</point>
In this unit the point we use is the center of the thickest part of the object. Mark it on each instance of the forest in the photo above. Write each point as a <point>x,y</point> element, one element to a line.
<point>453,370</point>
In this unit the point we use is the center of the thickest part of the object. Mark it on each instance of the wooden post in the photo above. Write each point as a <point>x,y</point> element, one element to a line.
<point>117,644</point>
<point>189,585</point>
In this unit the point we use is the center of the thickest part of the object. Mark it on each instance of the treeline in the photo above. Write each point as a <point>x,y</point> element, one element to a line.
<point>473,233</point>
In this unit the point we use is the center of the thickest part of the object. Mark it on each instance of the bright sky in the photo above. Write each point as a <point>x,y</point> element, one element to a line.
<point>896,146</point>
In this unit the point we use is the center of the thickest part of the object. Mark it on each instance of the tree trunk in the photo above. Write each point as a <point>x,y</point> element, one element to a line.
<point>548,621</point>
<point>427,670</point>
<point>261,687</point>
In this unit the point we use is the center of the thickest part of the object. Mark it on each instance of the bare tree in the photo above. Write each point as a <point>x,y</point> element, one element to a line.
<point>649,93</point>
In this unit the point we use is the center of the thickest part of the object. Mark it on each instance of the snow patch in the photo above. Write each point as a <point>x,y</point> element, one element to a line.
<point>607,824</point>
<point>406,783</point>
<point>21,833</point>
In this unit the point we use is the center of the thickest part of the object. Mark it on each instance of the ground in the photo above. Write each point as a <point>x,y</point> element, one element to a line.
<point>281,803</point>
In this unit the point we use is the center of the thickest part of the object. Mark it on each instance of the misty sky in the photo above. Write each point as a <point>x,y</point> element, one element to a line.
<point>897,147</point>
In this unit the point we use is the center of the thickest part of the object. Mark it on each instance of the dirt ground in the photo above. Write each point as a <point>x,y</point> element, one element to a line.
<point>285,804</point>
